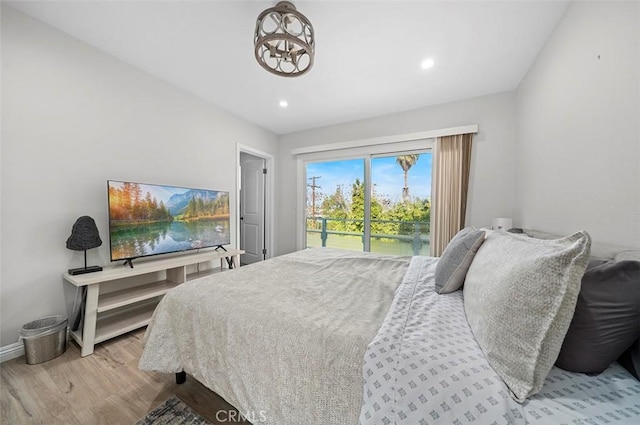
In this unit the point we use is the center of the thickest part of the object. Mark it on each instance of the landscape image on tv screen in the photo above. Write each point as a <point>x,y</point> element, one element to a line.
<point>148,219</point>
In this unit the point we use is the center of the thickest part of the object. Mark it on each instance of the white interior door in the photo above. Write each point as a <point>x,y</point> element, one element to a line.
<point>252,208</point>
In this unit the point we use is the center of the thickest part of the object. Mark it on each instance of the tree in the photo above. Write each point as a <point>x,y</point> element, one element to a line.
<point>148,207</point>
<point>127,201</point>
<point>136,195</point>
<point>190,211</point>
<point>416,211</point>
<point>127,204</point>
<point>164,212</point>
<point>356,210</point>
<point>406,162</point>
<point>335,206</point>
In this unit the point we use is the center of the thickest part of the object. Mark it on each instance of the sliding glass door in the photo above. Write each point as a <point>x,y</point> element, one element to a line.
<point>401,203</point>
<point>377,203</point>
<point>335,204</point>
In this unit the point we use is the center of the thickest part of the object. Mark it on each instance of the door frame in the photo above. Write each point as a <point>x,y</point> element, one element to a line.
<point>269,216</point>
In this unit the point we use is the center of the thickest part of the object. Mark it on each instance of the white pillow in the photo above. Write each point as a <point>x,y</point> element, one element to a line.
<point>519,296</point>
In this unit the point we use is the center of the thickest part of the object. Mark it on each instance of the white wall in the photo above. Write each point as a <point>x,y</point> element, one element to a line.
<point>73,117</point>
<point>492,186</point>
<point>579,126</point>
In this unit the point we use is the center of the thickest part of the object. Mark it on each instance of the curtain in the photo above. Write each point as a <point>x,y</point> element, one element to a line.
<point>451,163</point>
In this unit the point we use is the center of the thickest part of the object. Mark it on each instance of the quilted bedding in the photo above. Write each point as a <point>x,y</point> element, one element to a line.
<point>424,367</point>
<point>281,340</point>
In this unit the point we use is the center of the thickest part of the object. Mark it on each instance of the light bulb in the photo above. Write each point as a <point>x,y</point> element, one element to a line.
<point>427,63</point>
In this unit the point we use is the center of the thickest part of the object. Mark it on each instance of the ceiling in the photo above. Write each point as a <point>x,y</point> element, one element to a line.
<point>368,53</point>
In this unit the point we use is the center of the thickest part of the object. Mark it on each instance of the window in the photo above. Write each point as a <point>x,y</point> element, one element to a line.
<point>378,203</point>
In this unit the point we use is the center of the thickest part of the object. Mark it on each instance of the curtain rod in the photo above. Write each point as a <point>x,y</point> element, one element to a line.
<point>388,139</point>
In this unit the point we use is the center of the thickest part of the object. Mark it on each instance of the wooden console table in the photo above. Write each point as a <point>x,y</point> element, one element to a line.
<point>116,304</point>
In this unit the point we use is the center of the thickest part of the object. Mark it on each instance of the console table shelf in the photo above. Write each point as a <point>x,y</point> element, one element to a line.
<point>114,306</point>
<point>116,325</point>
<point>139,293</point>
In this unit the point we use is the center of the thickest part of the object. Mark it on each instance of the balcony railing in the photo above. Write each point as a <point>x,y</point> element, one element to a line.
<point>407,237</point>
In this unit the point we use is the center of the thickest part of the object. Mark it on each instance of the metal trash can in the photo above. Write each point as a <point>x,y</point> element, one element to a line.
<point>44,339</point>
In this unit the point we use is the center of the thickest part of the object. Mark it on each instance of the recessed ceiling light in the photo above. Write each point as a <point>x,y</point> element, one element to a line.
<point>427,63</point>
<point>284,104</point>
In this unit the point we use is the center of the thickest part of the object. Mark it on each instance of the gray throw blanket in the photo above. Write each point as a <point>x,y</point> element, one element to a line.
<point>282,340</point>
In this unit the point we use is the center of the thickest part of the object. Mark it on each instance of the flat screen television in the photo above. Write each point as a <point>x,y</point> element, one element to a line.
<point>151,219</point>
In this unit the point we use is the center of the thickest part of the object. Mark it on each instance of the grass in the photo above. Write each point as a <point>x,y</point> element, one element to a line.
<point>354,243</point>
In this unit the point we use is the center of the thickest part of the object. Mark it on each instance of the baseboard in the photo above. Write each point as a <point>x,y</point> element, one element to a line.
<point>11,351</point>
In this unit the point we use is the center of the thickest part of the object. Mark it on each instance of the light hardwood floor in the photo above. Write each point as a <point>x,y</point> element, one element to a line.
<point>103,388</point>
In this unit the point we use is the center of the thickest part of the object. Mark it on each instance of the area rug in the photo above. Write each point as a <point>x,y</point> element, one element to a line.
<point>172,412</point>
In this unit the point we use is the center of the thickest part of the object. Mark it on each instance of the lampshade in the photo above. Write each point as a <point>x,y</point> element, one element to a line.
<point>84,235</point>
<point>502,224</point>
<point>284,41</point>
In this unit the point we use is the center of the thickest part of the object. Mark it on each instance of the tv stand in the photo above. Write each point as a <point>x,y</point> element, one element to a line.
<point>229,259</point>
<point>120,300</point>
<point>128,261</point>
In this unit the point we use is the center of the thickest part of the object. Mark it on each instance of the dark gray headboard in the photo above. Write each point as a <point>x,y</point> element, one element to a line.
<point>598,249</point>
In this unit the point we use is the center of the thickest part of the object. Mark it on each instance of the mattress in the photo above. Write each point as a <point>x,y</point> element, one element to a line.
<point>333,337</point>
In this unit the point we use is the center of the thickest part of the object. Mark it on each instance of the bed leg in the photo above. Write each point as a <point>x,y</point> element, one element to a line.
<point>181,377</point>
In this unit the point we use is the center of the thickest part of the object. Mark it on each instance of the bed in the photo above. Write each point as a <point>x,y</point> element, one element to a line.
<point>325,336</point>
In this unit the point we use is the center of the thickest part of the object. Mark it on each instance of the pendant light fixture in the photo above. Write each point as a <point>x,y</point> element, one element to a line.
<point>284,41</point>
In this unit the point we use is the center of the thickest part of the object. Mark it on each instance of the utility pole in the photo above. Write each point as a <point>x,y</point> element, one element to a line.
<point>313,187</point>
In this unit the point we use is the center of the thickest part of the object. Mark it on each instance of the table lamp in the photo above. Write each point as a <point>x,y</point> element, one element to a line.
<point>502,223</point>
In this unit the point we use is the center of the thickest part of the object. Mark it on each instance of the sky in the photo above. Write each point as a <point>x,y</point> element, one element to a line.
<point>386,175</point>
<point>160,192</point>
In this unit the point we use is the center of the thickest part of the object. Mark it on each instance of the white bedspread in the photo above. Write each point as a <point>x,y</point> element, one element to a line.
<point>282,340</point>
<point>424,367</point>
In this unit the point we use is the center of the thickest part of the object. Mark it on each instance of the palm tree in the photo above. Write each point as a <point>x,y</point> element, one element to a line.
<point>406,162</point>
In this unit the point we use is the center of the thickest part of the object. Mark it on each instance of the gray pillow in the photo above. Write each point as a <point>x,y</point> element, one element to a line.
<point>456,259</point>
<point>607,317</point>
<point>519,297</point>
<point>630,255</point>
